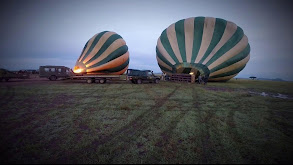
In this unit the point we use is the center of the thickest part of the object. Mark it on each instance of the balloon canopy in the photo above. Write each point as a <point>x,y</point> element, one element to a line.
<point>203,45</point>
<point>104,53</point>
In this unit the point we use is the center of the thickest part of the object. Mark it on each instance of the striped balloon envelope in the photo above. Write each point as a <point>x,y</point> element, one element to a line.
<point>203,45</point>
<point>104,53</point>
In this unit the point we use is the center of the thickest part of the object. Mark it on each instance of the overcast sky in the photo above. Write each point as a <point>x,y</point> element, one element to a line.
<point>54,32</point>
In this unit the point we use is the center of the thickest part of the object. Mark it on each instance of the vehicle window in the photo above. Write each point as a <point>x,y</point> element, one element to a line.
<point>67,71</point>
<point>47,69</point>
<point>149,73</point>
<point>52,69</point>
<point>59,70</point>
<point>137,73</point>
<point>133,73</point>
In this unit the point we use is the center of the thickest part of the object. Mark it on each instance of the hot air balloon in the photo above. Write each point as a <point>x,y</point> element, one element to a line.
<point>104,53</point>
<point>203,45</point>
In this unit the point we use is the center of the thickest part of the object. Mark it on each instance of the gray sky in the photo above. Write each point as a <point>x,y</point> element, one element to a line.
<point>54,32</point>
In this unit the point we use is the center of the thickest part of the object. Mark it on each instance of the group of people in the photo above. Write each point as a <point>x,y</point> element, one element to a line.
<point>203,79</point>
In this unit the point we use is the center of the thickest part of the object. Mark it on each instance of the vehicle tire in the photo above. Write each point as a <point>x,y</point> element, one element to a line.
<point>102,81</point>
<point>90,80</point>
<point>138,81</point>
<point>157,81</point>
<point>53,78</point>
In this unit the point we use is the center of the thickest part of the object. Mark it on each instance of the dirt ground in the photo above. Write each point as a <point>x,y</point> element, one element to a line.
<point>67,121</point>
<point>35,79</point>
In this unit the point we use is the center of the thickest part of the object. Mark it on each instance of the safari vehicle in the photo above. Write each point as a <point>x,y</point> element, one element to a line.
<point>54,72</point>
<point>140,76</point>
<point>6,75</point>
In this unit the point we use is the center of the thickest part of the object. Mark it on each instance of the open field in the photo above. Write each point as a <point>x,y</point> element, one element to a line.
<point>118,122</point>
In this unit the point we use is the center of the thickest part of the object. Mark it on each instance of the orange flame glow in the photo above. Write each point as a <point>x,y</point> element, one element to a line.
<point>77,70</point>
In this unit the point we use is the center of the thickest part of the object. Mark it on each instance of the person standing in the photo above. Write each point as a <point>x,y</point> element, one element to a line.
<point>206,77</point>
<point>199,79</point>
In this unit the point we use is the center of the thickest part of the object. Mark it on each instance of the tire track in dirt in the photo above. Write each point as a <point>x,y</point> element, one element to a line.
<point>30,134</point>
<point>115,96</point>
<point>124,134</point>
<point>170,149</point>
<point>164,142</point>
<point>136,131</point>
<point>33,114</point>
<point>205,128</point>
<point>78,123</point>
<point>138,121</point>
<point>122,91</point>
<point>236,138</point>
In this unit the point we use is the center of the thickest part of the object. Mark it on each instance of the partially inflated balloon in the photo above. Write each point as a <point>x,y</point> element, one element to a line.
<point>104,53</point>
<point>205,45</point>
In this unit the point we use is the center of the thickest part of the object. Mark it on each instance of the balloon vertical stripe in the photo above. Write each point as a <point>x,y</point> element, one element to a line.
<point>179,28</point>
<point>197,36</point>
<point>217,35</point>
<point>189,29</point>
<point>206,37</point>
<point>171,34</point>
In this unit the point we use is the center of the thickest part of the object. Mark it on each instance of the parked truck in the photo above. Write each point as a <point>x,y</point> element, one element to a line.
<point>140,76</point>
<point>7,75</point>
<point>55,72</point>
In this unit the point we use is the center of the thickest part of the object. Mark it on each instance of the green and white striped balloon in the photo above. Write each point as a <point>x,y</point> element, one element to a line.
<point>104,53</point>
<point>206,45</point>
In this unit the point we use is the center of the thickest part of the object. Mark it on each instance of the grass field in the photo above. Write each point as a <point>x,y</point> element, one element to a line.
<point>74,122</point>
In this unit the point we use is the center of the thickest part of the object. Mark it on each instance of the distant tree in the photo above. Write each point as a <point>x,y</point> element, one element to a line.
<point>252,77</point>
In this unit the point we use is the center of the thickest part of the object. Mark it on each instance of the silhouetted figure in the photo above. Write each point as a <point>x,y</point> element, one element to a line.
<point>205,79</point>
<point>199,79</point>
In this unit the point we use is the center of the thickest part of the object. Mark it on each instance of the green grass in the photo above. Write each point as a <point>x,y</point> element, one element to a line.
<point>169,122</point>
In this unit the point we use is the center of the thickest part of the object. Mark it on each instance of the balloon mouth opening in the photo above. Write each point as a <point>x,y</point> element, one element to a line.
<point>187,70</point>
<point>79,68</point>
<point>192,69</point>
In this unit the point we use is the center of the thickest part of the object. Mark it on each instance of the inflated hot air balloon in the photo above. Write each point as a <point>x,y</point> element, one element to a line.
<point>104,53</point>
<point>203,45</point>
